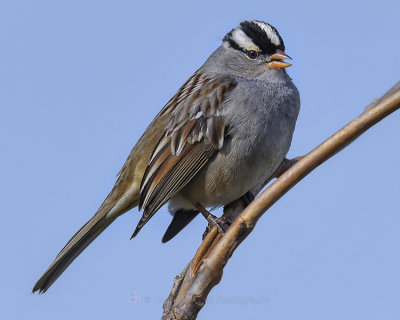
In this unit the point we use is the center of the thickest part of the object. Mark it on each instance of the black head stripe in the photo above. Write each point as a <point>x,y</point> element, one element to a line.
<point>258,36</point>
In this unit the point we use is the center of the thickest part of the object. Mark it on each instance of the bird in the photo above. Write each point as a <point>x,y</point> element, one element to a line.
<point>223,133</point>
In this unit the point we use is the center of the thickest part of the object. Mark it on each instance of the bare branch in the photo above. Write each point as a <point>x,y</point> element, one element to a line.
<point>193,285</point>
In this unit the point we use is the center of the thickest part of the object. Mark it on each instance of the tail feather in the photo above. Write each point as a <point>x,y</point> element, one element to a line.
<point>73,248</point>
<point>106,214</point>
<point>180,220</point>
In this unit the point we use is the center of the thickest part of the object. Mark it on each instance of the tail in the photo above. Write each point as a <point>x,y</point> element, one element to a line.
<point>72,249</point>
<point>79,241</point>
<point>180,220</point>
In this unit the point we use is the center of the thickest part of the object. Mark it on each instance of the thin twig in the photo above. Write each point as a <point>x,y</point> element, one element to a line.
<point>205,270</point>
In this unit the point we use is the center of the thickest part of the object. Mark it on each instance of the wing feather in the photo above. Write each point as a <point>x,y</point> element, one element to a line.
<point>192,137</point>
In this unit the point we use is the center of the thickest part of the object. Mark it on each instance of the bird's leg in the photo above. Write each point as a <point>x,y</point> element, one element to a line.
<point>212,219</point>
<point>231,211</point>
<point>211,236</point>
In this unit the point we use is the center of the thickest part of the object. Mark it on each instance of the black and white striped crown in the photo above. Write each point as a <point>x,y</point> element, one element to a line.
<point>255,35</point>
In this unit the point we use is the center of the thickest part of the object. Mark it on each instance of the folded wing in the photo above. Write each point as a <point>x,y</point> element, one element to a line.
<point>192,137</point>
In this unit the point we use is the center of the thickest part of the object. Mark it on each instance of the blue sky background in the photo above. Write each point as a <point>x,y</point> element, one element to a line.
<point>79,83</point>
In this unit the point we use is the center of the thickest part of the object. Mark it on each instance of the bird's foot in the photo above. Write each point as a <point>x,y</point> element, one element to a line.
<point>213,221</point>
<point>222,224</point>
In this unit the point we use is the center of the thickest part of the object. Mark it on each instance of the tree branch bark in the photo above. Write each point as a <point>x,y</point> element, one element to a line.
<point>204,271</point>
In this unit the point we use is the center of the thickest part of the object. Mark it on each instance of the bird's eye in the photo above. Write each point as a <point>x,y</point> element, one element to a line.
<point>252,54</point>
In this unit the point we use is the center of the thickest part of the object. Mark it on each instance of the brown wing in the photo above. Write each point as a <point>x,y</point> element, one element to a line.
<point>192,137</point>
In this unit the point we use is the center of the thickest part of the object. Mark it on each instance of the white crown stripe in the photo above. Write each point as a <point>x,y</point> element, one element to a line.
<point>269,31</point>
<point>242,40</point>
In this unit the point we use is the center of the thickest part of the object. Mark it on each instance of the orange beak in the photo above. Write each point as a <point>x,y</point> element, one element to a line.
<point>276,60</point>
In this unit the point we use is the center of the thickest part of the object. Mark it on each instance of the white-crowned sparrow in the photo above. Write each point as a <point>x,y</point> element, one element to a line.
<point>221,135</point>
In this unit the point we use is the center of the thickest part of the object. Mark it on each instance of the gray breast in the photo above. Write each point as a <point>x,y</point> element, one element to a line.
<point>261,120</point>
